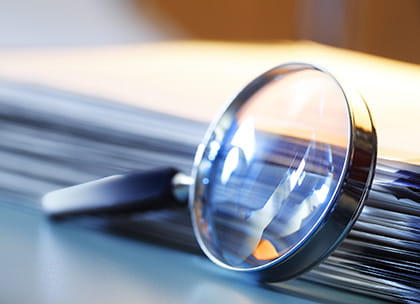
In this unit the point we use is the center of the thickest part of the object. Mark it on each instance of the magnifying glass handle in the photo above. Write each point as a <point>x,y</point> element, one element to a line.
<point>138,191</point>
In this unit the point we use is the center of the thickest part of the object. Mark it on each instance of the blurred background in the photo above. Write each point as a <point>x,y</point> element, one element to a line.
<point>383,27</point>
<point>57,130</point>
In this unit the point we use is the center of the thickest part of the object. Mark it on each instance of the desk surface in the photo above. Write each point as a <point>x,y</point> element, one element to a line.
<point>44,262</point>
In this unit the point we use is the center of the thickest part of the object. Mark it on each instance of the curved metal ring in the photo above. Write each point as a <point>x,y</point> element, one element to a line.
<point>354,183</point>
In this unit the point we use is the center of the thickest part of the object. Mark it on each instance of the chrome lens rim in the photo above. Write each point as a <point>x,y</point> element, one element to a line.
<point>355,181</point>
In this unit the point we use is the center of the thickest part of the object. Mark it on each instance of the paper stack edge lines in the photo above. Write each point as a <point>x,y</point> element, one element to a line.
<point>50,139</point>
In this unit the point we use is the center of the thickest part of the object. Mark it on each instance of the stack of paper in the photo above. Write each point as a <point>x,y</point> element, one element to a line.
<point>50,139</point>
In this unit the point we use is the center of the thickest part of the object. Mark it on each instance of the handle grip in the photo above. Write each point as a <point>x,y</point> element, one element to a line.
<point>115,194</point>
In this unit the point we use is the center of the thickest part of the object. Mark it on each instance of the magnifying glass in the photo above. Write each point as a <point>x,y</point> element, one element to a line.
<point>277,182</point>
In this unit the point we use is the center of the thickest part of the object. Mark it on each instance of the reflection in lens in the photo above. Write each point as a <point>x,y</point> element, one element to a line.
<point>274,172</point>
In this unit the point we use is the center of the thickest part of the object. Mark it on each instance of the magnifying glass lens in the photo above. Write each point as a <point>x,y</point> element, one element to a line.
<point>270,168</point>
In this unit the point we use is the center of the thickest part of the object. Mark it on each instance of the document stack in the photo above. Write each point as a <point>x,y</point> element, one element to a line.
<point>50,139</point>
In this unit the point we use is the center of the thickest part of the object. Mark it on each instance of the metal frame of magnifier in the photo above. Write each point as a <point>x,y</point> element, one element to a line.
<point>353,187</point>
<point>167,188</point>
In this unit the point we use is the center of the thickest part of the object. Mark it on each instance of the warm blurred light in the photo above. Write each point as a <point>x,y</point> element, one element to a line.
<point>265,251</point>
<point>382,27</point>
<point>195,79</point>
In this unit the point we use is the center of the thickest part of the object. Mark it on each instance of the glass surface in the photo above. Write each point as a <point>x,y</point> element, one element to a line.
<point>271,168</point>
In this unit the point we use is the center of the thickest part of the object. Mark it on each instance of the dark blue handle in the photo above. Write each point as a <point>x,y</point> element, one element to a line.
<point>119,193</point>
